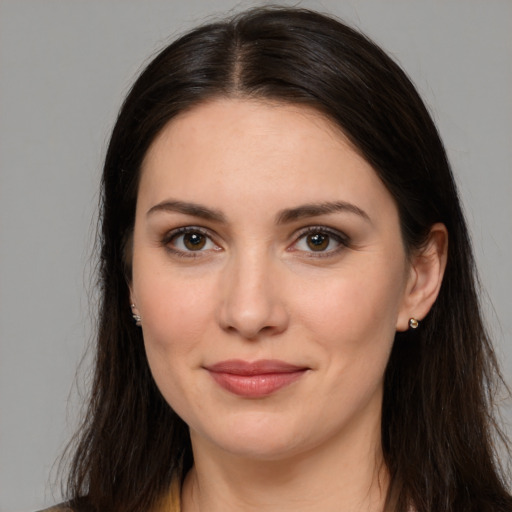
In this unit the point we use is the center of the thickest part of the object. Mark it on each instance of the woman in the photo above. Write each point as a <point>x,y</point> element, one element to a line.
<point>289,317</point>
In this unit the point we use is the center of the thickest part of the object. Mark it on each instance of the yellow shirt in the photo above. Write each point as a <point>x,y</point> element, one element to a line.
<point>172,502</point>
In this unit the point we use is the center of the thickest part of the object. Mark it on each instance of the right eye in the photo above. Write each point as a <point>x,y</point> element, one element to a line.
<point>189,240</point>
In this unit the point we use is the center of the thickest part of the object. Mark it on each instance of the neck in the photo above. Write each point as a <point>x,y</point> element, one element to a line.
<point>347,474</point>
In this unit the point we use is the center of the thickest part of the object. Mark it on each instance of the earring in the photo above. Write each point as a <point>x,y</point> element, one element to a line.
<point>136,317</point>
<point>413,323</point>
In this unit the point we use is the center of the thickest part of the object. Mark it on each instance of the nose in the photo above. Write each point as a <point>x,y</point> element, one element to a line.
<point>252,301</point>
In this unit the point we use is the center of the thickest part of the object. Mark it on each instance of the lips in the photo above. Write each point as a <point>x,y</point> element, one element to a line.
<point>255,379</point>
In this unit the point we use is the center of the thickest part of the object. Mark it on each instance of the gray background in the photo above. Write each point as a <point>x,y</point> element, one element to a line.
<point>64,68</point>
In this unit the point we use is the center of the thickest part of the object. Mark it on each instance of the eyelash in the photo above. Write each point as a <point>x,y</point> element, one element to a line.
<point>340,238</point>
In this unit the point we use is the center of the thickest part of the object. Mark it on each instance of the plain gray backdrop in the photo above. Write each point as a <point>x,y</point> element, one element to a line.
<point>64,68</point>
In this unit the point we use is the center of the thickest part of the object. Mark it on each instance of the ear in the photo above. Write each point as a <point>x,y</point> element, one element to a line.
<point>426,272</point>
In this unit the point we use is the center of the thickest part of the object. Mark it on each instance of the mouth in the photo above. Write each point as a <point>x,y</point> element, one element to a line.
<point>256,379</point>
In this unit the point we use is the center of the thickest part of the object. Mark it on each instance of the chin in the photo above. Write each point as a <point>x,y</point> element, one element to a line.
<point>257,437</point>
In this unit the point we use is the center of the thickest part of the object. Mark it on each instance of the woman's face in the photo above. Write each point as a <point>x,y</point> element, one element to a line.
<point>270,275</point>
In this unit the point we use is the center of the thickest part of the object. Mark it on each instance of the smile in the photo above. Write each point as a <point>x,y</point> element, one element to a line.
<point>255,379</point>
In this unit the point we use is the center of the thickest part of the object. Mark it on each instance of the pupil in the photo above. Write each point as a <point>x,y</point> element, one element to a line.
<point>194,241</point>
<point>318,241</point>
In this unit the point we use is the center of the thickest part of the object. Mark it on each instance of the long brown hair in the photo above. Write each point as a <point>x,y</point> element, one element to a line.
<point>438,429</point>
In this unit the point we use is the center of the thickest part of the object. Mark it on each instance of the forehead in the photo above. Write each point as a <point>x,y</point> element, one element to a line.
<point>218,121</point>
<point>256,150</point>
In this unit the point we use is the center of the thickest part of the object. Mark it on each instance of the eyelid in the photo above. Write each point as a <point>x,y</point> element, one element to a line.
<point>169,235</point>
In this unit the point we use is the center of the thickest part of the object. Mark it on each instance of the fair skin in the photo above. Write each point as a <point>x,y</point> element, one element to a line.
<point>261,235</point>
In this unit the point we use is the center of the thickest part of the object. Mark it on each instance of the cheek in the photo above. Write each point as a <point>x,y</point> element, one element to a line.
<point>354,312</point>
<point>175,312</point>
<point>174,319</point>
<point>355,301</point>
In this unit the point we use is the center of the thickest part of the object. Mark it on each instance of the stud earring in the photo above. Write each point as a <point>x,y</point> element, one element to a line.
<point>413,323</point>
<point>136,317</point>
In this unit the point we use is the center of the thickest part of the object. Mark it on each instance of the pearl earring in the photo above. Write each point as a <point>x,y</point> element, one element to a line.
<point>136,317</point>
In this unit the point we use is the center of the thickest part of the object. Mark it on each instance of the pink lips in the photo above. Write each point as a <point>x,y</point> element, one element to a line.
<point>254,379</point>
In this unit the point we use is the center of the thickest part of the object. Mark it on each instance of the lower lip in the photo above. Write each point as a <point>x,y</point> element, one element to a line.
<point>256,386</point>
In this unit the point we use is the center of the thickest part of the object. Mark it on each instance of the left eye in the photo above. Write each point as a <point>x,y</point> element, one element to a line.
<point>319,241</point>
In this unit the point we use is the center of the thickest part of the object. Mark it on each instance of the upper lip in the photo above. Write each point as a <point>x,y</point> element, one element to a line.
<point>260,367</point>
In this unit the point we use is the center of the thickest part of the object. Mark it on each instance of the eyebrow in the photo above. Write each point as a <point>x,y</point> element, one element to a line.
<point>187,208</point>
<point>283,217</point>
<point>315,210</point>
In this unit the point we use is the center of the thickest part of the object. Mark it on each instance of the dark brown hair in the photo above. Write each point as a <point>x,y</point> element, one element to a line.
<point>438,428</point>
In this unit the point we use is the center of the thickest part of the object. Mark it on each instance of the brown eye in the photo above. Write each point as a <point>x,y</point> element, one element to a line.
<point>189,240</point>
<point>194,241</point>
<point>318,241</point>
